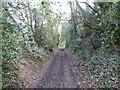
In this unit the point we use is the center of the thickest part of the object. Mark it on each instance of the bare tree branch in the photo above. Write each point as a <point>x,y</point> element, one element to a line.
<point>88,24</point>
<point>91,8</point>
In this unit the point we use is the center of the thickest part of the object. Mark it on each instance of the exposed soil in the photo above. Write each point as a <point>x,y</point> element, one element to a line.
<point>59,71</point>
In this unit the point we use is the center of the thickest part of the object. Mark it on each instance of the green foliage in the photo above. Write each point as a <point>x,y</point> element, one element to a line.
<point>10,49</point>
<point>26,28</point>
<point>96,49</point>
<point>104,69</point>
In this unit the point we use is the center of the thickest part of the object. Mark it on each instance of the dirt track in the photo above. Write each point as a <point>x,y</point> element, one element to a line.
<point>58,71</point>
<point>59,74</point>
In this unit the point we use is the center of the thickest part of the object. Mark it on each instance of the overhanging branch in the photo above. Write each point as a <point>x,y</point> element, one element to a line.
<point>88,24</point>
<point>91,8</point>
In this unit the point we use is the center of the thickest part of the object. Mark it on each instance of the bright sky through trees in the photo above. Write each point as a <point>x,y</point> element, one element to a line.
<point>63,5</point>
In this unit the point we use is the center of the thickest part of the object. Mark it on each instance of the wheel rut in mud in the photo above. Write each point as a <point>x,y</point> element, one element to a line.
<point>59,74</point>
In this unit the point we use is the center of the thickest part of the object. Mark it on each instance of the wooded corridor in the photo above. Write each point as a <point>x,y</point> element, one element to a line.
<point>59,44</point>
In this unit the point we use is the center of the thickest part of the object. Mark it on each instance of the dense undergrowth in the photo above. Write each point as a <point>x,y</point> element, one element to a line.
<point>94,38</point>
<point>26,28</point>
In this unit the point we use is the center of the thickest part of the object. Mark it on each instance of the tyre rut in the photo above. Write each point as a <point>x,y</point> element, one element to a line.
<point>58,74</point>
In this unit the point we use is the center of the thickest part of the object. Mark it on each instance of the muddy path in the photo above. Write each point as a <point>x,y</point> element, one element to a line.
<point>59,71</point>
<point>59,74</point>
